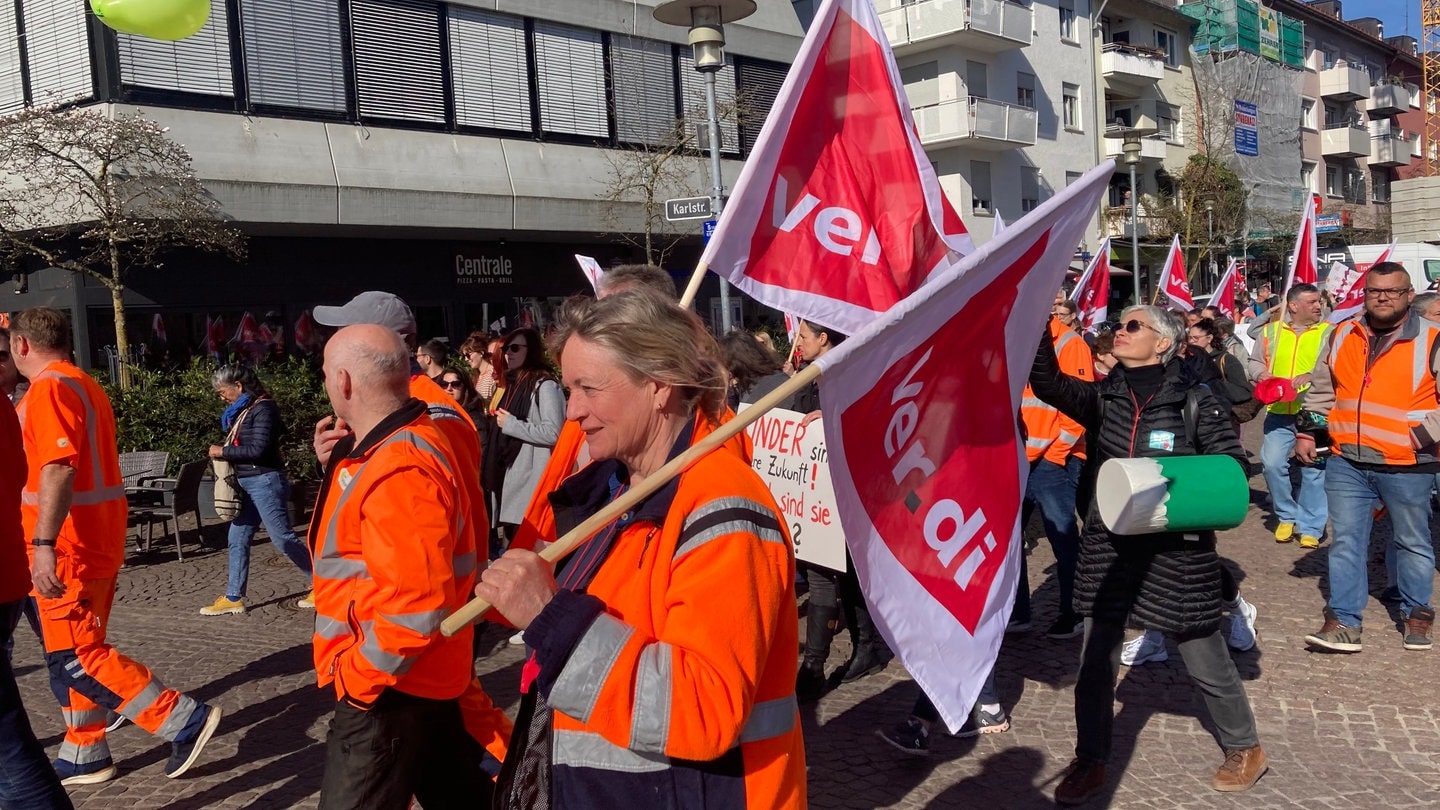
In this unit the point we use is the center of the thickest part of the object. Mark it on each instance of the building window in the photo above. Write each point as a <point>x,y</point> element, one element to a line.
<point>570,63</point>
<point>1166,43</point>
<point>293,54</point>
<point>1379,187</point>
<point>1168,122</point>
<point>1415,150</point>
<point>1072,177</point>
<point>1067,20</point>
<point>1029,188</point>
<point>57,48</point>
<point>197,64</point>
<point>488,63</point>
<point>1327,59</point>
<point>1354,187</point>
<point>759,87</point>
<point>1307,176</point>
<point>1307,113</point>
<point>1332,181</point>
<point>12,89</point>
<point>388,85</point>
<point>1025,90</point>
<point>1070,106</point>
<point>644,84</point>
<point>980,199</point>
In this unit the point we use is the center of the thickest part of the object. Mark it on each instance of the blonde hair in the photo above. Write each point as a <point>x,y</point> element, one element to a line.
<point>651,339</point>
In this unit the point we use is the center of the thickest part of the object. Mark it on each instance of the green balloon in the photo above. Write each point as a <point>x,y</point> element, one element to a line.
<point>157,19</point>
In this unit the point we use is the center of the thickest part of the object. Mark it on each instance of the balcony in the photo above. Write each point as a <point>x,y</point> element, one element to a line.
<point>987,26</point>
<point>1345,140</point>
<point>1152,147</point>
<point>1345,83</point>
<point>977,123</point>
<point>1388,99</point>
<point>1131,66</point>
<point>1389,151</point>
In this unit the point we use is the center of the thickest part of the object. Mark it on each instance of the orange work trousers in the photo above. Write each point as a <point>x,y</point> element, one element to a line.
<point>485,723</point>
<point>89,677</point>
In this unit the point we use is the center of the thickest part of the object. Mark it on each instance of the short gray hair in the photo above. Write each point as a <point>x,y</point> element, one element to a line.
<point>237,374</point>
<point>1422,303</point>
<point>1165,326</point>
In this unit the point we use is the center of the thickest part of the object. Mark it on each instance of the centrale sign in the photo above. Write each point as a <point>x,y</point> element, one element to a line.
<point>483,270</point>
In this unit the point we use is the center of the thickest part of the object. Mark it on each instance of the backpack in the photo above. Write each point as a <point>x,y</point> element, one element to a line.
<point>1243,408</point>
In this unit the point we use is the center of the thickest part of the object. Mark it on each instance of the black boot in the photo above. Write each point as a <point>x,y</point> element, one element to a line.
<point>869,656</point>
<point>821,624</point>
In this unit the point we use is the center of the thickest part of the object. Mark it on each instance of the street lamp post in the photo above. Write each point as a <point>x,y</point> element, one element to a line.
<point>706,20</point>
<point>1131,148</point>
<point>1210,244</point>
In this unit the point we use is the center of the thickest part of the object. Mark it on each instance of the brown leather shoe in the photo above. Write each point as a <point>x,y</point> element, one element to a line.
<point>1241,770</point>
<point>1083,780</point>
<point>1417,628</point>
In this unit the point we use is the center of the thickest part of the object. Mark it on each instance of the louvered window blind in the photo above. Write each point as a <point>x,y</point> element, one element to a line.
<point>200,63</point>
<point>644,82</point>
<point>692,86</point>
<point>490,70</point>
<point>571,66</point>
<point>293,56</point>
<point>12,88</point>
<point>398,70</point>
<point>759,86</point>
<point>58,51</point>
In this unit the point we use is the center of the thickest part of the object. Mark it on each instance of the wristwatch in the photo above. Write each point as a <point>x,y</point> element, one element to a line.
<point>40,541</point>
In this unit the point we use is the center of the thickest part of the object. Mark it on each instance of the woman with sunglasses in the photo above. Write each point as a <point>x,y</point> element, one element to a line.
<point>525,426</point>
<point>457,384</point>
<point>1170,581</point>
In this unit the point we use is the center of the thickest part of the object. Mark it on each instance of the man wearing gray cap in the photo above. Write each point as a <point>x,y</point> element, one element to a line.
<point>487,724</point>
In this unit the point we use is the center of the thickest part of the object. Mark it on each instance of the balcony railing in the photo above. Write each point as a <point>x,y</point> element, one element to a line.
<point>1388,99</point>
<point>1121,61</point>
<point>979,25</point>
<point>1345,83</point>
<point>976,122</point>
<point>1389,150</point>
<point>1345,139</point>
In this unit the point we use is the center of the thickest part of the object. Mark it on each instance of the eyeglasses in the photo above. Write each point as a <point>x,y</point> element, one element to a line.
<point>515,348</point>
<point>1134,325</point>
<point>452,384</point>
<point>1385,292</point>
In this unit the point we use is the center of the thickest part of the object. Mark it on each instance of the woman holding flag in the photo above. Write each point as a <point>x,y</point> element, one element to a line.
<point>1167,581</point>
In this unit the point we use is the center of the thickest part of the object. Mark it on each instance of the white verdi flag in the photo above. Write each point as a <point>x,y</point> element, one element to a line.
<point>925,452</point>
<point>591,269</point>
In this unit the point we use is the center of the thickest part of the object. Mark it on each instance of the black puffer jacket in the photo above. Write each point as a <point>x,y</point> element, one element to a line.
<point>1165,581</point>
<point>257,444</point>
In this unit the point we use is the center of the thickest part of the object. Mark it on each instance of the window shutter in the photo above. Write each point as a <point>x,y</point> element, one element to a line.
<point>12,89</point>
<point>58,51</point>
<point>491,74</point>
<point>571,66</point>
<point>200,63</point>
<point>759,87</point>
<point>692,85</point>
<point>644,81</point>
<point>397,59</point>
<point>293,56</point>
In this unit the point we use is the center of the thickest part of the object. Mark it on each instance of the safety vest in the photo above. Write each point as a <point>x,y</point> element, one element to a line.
<point>66,418</point>
<point>1377,403</point>
<point>1289,355</point>
<point>1050,434</point>
<point>394,554</point>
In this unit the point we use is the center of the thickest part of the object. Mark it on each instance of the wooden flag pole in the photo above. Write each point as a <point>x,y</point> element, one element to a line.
<point>693,288</point>
<point>562,548</point>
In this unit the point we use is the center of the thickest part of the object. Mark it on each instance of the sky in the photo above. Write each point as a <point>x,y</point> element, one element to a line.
<point>1393,13</point>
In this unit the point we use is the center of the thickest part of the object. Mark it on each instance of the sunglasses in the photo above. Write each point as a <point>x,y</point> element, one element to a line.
<point>1133,325</point>
<point>513,348</point>
<point>452,384</point>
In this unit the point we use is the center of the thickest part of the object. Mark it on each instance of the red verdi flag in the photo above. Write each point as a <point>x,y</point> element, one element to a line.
<point>1304,257</point>
<point>924,446</point>
<point>1350,301</point>
<point>1223,300</point>
<point>1173,281</point>
<point>1092,291</point>
<point>838,214</point>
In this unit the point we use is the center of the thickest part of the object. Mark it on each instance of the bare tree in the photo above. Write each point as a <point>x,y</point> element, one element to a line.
<point>102,197</point>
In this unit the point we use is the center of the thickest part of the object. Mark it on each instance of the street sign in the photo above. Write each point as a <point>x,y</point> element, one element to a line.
<point>687,208</point>
<point>709,230</point>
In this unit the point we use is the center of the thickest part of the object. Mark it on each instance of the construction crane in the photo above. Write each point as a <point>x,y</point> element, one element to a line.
<point>1430,72</point>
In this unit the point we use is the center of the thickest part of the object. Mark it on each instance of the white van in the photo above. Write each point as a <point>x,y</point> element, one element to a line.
<point>1420,258</point>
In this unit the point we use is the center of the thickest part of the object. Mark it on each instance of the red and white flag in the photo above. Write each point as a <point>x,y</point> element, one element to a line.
<point>838,214</point>
<point>248,331</point>
<point>1173,281</point>
<point>1223,299</point>
<point>215,336</point>
<point>157,329</point>
<point>999,225</point>
<point>925,451</point>
<point>1350,301</point>
<point>1092,291</point>
<point>1304,257</point>
<point>591,269</point>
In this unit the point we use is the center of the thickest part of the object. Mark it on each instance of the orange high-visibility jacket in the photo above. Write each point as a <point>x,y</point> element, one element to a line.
<point>459,428</point>
<point>66,419</point>
<point>1052,435</point>
<point>673,673</point>
<point>394,554</point>
<point>1381,409</point>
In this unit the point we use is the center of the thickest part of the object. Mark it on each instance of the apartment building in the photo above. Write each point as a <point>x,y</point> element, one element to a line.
<point>456,153</point>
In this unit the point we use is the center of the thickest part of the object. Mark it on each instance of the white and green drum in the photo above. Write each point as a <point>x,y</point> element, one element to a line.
<point>1171,494</point>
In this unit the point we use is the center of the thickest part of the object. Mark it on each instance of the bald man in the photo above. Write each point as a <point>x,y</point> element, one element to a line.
<point>393,556</point>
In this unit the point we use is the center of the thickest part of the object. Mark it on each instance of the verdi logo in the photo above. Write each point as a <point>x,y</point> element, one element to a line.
<point>483,270</point>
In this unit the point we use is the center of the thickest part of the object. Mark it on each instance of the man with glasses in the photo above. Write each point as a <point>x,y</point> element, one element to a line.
<point>1289,348</point>
<point>1375,390</point>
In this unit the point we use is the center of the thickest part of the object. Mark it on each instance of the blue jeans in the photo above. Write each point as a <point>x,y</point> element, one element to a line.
<point>1308,513</point>
<point>26,778</point>
<point>1353,494</point>
<point>1052,488</point>
<point>263,500</point>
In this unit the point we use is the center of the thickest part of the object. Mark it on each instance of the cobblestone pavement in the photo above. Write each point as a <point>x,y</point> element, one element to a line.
<point>1341,731</point>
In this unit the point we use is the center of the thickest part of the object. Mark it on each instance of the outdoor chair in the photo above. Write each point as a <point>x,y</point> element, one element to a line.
<point>169,498</point>
<point>139,468</point>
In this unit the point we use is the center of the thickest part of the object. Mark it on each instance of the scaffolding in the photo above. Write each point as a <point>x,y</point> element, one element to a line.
<point>1430,67</point>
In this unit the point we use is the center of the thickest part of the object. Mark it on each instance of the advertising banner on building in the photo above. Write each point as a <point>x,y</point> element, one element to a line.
<point>1269,34</point>
<point>1247,132</point>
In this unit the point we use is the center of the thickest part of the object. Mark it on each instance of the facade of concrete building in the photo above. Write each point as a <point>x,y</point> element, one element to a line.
<point>457,153</point>
<point>1001,97</point>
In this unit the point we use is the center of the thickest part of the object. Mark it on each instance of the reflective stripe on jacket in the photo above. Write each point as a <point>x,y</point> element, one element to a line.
<point>394,554</point>
<point>1290,355</point>
<point>66,419</point>
<point>679,681</point>
<point>1050,434</point>
<point>1381,401</point>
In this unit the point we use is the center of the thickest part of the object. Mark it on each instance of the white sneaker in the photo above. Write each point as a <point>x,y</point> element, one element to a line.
<point>1144,649</point>
<point>518,639</point>
<point>1241,637</point>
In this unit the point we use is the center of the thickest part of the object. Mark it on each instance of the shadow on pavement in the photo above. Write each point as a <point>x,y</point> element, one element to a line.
<point>1007,779</point>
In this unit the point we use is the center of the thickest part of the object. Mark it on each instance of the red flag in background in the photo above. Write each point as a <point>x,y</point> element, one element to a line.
<point>1173,281</point>
<point>249,331</point>
<point>1223,300</point>
<point>306,338</point>
<point>157,329</point>
<point>925,452</point>
<point>1304,257</point>
<point>215,336</point>
<point>1092,291</point>
<point>838,214</point>
<point>1351,300</point>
